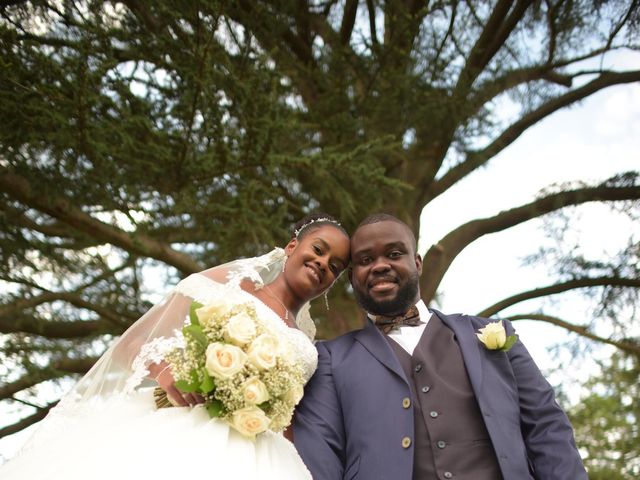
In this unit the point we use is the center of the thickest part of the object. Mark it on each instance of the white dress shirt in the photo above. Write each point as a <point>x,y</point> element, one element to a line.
<point>407,336</point>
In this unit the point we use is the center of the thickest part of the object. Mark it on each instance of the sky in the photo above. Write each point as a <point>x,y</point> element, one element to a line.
<point>592,140</point>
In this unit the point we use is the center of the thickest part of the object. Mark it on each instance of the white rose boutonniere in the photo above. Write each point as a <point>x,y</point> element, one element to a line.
<point>494,337</point>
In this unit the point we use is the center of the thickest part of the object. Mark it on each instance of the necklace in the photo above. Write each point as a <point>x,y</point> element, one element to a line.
<point>286,310</point>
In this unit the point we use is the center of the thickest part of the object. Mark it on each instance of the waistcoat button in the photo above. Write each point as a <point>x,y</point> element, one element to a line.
<point>417,368</point>
<point>448,475</point>
<point>425,389</point>
<point>433,414</point>
<point>441,444</point>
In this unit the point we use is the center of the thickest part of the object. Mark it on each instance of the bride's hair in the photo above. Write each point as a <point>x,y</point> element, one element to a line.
<point>314,221</point>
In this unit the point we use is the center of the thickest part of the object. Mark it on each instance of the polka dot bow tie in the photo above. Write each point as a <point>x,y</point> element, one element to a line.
<point>411,318</point>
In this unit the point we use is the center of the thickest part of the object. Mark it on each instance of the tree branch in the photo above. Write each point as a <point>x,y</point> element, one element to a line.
<point>375,44</point>
<point>491,89</point>
<point>579,329</point>
<point>348,21</point>
<point>20,189</point>
<point>56,369</point>
<point>550,16</point>
<point>19,218</point>
<point>475,160</point>
<point>496,31</point>
<point>440,256</point>
<point>607,79</point>
<point>141,12</point>
<point>558,288</point>
<point>25,422</point>
<point>53,329</point>
<point>9,3</point>
<point>244,13</point>
<point>447,35</point>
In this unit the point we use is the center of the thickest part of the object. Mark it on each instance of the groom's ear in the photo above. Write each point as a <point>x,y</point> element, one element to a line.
<point>419,264</point>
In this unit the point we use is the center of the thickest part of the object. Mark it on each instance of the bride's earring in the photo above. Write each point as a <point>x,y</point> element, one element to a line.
<point>284,262</point>
<point>326,299</point>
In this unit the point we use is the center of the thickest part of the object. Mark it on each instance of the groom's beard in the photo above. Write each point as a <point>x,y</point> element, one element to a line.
<point>404,300</point>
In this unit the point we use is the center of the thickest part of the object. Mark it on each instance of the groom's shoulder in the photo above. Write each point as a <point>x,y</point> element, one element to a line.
<point>342,340</point>
<point>474,320</point>
<point>341,343</point>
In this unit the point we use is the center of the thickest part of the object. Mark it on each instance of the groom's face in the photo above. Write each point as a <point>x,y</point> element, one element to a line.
<point>385,270</point>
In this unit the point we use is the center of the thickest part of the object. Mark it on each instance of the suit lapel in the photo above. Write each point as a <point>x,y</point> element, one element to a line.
<point>372,340</point>
<point>469,346</point>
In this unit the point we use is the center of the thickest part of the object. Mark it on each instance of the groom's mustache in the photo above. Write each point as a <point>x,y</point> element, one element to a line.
<point>382,279</point>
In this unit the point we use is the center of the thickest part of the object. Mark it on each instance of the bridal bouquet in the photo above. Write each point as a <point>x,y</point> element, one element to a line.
<point>245,373</point>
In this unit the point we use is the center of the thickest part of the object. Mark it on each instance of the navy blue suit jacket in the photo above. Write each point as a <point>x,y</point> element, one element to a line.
<point>350,422</point>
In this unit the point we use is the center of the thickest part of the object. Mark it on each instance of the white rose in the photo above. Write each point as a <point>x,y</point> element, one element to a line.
<point>209,313</point>
<point>254,391</point>
<point>263,351</point>
<point>240,329</point>
<point>493,335</point>
<point>294,395</point>
<point>224,361</point>
<point>249,421</point>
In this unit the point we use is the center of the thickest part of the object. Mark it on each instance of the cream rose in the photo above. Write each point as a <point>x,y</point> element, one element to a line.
<point>207,314</point>
<point>493,335</point>
<point>263,351</point>
<point>224,361</point>
<point>294,395</point>
<point>249,421</point>
<point>240,329</point>
<point>254,391</point>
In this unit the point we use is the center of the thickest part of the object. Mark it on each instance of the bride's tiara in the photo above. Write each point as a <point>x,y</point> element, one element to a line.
<point>315,220</point>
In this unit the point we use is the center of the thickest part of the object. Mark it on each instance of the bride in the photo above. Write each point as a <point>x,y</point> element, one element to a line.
<point>109,425</point>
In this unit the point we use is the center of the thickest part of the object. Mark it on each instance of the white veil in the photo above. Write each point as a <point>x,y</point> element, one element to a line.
<point>124,365</point>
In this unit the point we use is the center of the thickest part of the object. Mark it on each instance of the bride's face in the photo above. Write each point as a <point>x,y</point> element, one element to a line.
<point>316,260</point>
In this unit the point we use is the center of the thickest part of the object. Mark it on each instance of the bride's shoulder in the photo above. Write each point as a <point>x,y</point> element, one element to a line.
<point>203,288</point>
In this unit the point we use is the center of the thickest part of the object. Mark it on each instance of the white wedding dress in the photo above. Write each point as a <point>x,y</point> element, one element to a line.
<point>122,435</point>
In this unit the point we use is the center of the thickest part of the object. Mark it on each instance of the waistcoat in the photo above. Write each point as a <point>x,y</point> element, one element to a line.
<point>451,440</point>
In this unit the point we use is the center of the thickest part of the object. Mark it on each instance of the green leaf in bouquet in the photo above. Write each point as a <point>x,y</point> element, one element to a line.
<point>192,313</point>
<point>195,331</point>
<point>214,407</point>
<point>185,386</point>
<point>207,384</point>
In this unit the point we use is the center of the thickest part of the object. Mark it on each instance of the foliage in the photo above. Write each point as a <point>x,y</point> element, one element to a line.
<point>606,420</point>
<point>142,141</point>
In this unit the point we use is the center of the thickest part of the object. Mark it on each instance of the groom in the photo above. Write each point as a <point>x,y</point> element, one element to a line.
<point>421,397</point>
